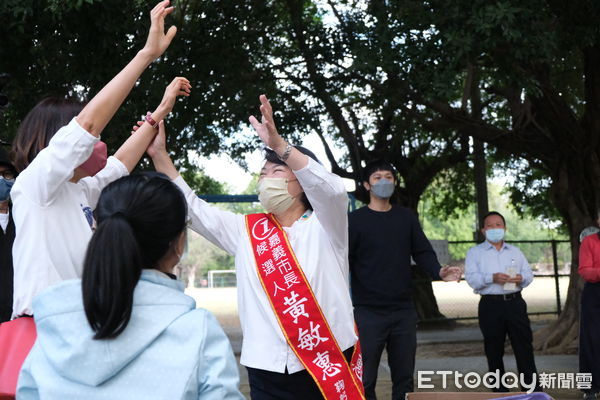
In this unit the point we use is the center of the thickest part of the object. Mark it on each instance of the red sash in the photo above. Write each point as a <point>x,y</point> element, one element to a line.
<point>299,314</point>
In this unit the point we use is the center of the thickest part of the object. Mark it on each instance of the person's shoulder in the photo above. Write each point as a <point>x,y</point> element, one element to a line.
<point>199,314</point>
<point>200,320</point>
<point>194,319</point>
<point>591,240</point>
<point>360,210</point>
<point>512,247</point>
<point>358,213</point>
<point>402,210</point>
<point>478,248</point>
<point>404,213</point>
<point>63,297</point>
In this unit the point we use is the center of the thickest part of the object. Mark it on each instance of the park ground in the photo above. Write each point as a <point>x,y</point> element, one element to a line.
<point>459,349</point>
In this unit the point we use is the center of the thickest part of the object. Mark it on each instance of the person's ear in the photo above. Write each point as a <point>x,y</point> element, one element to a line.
<point>177,245</point>
<point>367,186</point>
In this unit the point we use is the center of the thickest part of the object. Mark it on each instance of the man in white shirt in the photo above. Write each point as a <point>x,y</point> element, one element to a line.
<point>498,272</point>
<point>311,207</point>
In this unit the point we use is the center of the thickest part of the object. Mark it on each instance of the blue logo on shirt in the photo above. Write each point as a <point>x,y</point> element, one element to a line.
<point>89,216</point>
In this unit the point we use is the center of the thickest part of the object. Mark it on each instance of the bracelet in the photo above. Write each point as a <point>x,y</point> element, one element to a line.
<point>286,153</point>
<point>149,120</point>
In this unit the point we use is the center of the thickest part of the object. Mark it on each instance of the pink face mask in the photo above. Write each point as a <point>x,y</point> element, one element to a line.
<point>97,160</point>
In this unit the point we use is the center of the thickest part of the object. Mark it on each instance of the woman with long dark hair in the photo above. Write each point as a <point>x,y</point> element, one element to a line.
<point>127,330</point>
<point>63,167</point>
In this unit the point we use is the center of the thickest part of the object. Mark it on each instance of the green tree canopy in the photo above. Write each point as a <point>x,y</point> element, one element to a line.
<point>73,48</point>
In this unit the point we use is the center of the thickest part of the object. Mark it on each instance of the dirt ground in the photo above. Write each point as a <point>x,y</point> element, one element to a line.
<point>437,351</point>
<point>455,354</point>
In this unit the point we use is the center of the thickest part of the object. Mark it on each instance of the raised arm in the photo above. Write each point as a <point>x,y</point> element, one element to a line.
<point>131,151</point>
<point>98,112</point>
<point>271,138</point>
<point>159,154</point>
<point>222,228</point>
<point>325,190</point>
<point>134,147</point>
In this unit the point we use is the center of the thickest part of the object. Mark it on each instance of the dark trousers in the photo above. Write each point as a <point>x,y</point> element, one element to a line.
<point>6,271</point>
<point>395,331</point>
<point>589,334</point>
<point>497,318</point>
<point>267,385</point>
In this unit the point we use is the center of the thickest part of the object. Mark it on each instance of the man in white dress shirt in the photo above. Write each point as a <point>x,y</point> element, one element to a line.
<point>310,204</point>
<point>498,272</point>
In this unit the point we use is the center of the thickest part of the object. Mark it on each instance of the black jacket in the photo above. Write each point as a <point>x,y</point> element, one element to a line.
<point>6,269</point>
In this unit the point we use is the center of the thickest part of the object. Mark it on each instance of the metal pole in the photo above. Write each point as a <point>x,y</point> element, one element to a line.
<point>556,283</point>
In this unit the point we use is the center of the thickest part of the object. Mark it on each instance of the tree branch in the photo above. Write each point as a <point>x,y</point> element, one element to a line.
<point>298,28</point>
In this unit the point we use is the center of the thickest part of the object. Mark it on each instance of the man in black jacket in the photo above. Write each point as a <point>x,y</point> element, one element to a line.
<point>383,237</point>
<point>7,236</point>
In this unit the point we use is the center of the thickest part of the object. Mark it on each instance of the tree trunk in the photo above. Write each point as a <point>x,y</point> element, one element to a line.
<point>425,301</point>
<point>563,334</point>
<point>481,194</point>
<point>191,276</point>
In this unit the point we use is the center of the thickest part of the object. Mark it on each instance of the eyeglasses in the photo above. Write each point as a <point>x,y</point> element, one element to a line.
<point>8,174</point>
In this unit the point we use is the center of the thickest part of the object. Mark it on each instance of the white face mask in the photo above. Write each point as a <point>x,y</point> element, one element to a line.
<point>274,196</point>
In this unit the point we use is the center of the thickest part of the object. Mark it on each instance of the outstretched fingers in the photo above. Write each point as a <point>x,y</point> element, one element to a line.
<point>180,86</point>
<point>265,108</point>
<point>158,40</point>
<point>254,122</point>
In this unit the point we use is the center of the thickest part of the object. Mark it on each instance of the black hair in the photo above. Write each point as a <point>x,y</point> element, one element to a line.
<point>271,156</point>
<point>5,159</point>
<point>482,223</point>
<point>377,165</point>
<point>139,217</point>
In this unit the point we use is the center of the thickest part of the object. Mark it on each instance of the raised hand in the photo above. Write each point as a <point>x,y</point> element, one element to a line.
<point>266,128</point>
<point>178,87</point>
<point>159,144</point>
<point>96,114</point>
<point>158,41</point>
